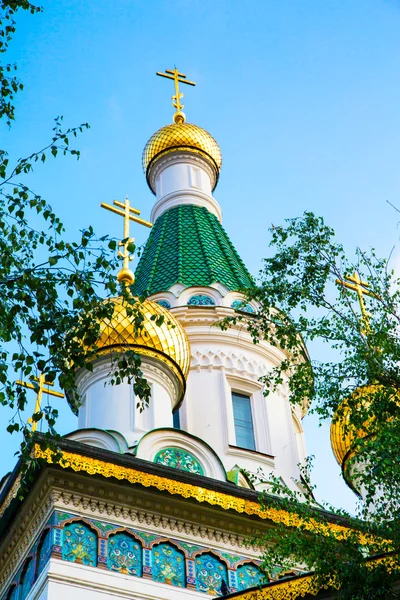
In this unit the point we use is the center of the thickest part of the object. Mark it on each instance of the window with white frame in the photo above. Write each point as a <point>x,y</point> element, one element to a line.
<point>243,420</point>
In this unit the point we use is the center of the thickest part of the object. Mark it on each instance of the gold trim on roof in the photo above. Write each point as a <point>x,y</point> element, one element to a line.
<point>182,136</point>
<point>93,466</point>
<point>285,590</point>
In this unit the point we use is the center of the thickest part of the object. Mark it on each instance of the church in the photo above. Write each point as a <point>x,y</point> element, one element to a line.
<point>157,504</point>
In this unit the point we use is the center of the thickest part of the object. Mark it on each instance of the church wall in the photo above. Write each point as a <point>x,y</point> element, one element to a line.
<point>102,509</point>
<point>228,361</point>
<point>102,545</point>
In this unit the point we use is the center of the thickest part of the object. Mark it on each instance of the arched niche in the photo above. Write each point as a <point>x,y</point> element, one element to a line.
<point>168,564</point>
<point>124,554</point>
<point>79,544</point>
<point>211,572</point>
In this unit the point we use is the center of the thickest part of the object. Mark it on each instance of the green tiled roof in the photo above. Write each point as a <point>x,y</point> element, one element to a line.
<point>188,245</point>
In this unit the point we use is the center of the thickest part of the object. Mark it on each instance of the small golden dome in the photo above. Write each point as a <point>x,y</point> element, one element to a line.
<point>167,342</point>
<point>343,434</point>
<point>181,136</point>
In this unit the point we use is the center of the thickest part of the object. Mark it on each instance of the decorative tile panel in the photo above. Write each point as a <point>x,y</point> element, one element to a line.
<point>201,300</point>
<point>79,544</point>
<point>240,305</point>
<point>210,573</point>
<point>27,579</point>
<point>179,459</point>
<point>124,554</point>
<point>44,551</point>
<point>248,575</point>
<point>164,303</point>
<point>128,552</point>
<point>168,565</point>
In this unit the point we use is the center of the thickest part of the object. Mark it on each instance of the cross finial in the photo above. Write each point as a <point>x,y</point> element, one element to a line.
<point>179,116</point>
<point>354,282</point>
<point>40,390</point>
<point>126,275</point>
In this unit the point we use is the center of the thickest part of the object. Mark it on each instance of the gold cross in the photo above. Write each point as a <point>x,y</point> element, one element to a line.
<point>42,382</point>
<point>125,275</point>
<point>359,286</point>
<point>179,116</point>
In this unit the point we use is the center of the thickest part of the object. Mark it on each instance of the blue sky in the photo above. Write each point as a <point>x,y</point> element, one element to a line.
<point>302,96</point>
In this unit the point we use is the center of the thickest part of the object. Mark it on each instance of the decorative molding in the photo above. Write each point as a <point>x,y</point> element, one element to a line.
<point>186,490</point>
<point>69,494</point>
<point>231,362</point>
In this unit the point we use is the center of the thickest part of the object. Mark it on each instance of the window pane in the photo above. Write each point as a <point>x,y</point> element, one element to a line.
<point>243,421</point>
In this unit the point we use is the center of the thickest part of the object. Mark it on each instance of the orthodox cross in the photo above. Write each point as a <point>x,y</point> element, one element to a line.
<point>354,282</point>
<point>40,390</point>
<point>179,116</point>
<point>125,275</point>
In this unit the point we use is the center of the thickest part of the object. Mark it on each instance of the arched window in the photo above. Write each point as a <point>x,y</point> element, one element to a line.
<point>27,578</point>
<point>249,575</point>
<point>79,544</point>
<point>201,300</point>
<point>44,551</point>
<point>210,573</point>
<point>168,564</point>
<point>177,458</point>
<point>124,554</point>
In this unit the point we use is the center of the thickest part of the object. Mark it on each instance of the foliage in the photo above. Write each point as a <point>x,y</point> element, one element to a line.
<point>303,302</point>
<point>51,289</point>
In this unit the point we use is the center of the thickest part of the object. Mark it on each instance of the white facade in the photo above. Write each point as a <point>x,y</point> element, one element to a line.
<point>114,408</point>
<point>183,178</point>
<point>222,362</point>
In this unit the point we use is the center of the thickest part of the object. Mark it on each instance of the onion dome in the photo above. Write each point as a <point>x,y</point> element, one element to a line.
<point>181,136</point>
<point>344,434</point>
<point>167,342</point>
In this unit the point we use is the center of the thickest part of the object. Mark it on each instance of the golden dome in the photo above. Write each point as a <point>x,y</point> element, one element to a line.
<point>181,136</point>
<point>167,342</point>
<point>343,434</point>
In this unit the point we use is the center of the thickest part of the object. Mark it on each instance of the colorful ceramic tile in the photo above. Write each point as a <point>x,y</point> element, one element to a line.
<point>27,579</point>
<point>44,550</point>
<point>179,459</point>
<point>168,564</point>
<point>79,544</point>
<point>210,574</point>
<point>240,305</point>
<point>124,554</point>
<point>201,300</point>
<point>248,575</point>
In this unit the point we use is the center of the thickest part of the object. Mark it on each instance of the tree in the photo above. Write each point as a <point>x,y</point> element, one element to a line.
<point>303,298</point>
<point>51,290</point>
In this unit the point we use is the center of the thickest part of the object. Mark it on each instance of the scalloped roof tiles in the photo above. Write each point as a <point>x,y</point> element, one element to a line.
<point>188,245</point>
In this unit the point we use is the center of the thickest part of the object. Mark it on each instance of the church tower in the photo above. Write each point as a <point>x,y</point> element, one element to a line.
<point>159,504</point>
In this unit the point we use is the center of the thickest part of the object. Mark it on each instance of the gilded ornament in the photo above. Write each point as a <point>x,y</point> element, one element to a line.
<point>179,116</point>
<point>94,466</point>
<point>125,275</point>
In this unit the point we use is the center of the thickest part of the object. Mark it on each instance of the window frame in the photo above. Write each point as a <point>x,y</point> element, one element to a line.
<point>249,397</point>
